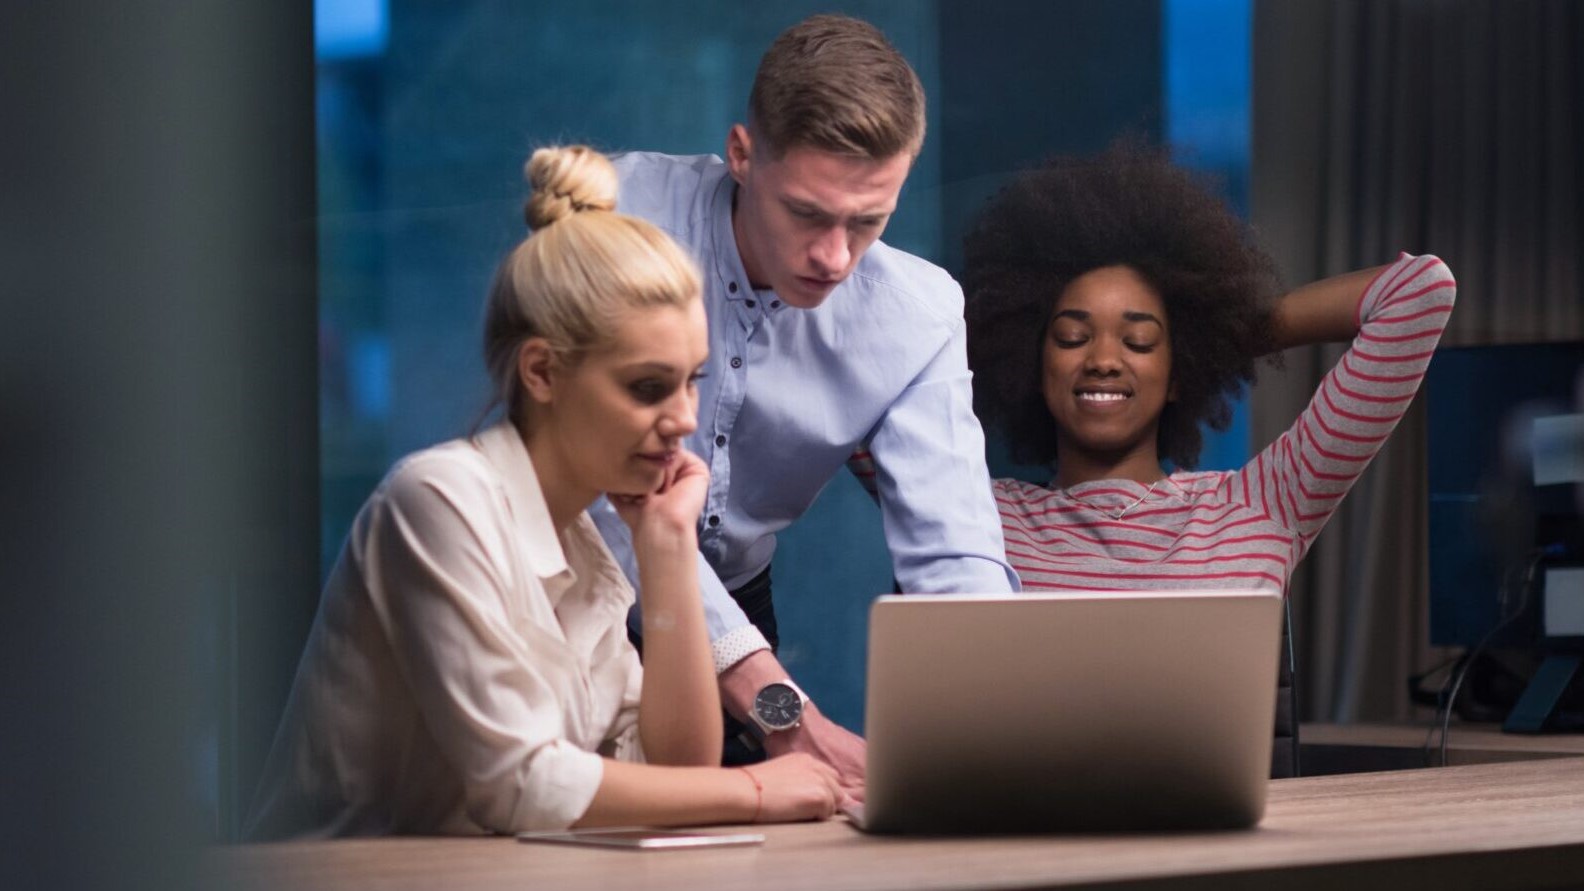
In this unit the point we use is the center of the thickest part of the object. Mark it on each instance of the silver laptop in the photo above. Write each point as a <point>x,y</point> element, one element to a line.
<point>1070,712</point>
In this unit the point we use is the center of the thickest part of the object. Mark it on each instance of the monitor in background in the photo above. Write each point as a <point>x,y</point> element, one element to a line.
<point>1505,531</point>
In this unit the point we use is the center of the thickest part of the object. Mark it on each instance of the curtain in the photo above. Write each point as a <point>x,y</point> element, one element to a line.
<point>1453,127</point>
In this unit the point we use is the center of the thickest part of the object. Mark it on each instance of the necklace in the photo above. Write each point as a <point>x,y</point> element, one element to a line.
<point>1117,514</point>
<point>1137,501</point>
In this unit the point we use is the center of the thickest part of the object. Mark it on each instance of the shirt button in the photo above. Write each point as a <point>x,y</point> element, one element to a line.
<point>732,287</point>
<point>751,304</point>
<point>720,440</point>
<point>714,520</point>
<point>775,304</point>
<point>736,362</point>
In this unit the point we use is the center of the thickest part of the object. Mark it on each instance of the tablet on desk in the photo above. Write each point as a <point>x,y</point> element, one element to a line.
<point>645,839</point>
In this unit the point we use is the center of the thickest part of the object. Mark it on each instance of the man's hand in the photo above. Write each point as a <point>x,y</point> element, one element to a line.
<point>815,734</point>
<point>828,741</point>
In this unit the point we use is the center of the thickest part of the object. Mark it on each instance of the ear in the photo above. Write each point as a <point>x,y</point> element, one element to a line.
<point>536,363</point>
<point>739,152</point>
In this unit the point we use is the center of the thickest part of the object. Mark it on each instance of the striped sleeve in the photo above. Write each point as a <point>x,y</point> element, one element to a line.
<point>862,466</point>
<point>1300,478</point>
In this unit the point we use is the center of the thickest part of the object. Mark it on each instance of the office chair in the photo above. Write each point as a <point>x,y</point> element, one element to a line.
<point>1284,751</point>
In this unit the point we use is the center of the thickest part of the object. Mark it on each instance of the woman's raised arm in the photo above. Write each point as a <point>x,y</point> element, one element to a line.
<point>1326,311</point>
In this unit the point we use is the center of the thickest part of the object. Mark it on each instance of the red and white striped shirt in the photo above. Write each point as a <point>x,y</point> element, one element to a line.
<point>1246,528</point>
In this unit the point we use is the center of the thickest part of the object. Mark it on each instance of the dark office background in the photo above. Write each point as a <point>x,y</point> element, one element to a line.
<point>426,111</point>
<point>216,232</point>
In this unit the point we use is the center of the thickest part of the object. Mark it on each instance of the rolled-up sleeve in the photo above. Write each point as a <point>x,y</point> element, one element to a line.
<point>941,523</point>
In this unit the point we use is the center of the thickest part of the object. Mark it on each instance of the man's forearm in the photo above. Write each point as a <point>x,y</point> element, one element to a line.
<point>816,734</point>
<point>739,683</point>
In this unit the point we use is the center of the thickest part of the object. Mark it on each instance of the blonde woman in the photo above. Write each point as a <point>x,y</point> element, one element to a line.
<point>469,669</point>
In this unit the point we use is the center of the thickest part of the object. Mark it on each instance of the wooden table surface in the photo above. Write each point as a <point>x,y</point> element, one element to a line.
<point>1512,825</point>
<point>1351,748</point>
<point>1471,740</point>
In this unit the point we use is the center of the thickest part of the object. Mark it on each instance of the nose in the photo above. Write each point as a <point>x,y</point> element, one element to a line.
<point>1103,358</point>
<point>680,417</point>
<point>830,252</point>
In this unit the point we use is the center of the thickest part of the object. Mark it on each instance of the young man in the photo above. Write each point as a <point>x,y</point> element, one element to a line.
<point>823,342</point>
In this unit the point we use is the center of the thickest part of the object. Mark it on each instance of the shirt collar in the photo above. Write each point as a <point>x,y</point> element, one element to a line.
<point>503,447</point>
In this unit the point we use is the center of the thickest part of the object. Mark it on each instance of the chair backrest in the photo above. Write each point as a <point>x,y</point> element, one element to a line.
<point>1284,752</point>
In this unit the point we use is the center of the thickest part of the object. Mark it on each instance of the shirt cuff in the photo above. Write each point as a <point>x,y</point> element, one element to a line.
<point>736,645</point>
<point>560,787</point>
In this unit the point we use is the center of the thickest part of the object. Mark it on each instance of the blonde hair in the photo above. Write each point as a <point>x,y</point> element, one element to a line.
<point>583,267</point>
<point>835,83</point>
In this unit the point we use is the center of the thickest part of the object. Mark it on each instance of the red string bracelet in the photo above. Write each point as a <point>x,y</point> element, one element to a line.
<point>758,793</point>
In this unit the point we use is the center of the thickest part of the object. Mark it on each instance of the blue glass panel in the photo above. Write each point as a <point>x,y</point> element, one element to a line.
<point>346,29</point>
<point>1207,66</point>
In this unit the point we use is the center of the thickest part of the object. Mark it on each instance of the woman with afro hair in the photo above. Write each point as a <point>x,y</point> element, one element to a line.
<point>1114,305</point>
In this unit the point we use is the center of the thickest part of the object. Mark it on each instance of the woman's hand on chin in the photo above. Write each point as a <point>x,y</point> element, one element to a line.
<point>674,506</point>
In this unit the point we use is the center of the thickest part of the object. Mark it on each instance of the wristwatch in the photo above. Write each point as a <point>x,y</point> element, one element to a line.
<point>778,706</point>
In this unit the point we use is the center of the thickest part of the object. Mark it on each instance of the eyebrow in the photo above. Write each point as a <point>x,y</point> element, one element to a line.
<point>663,368</point>
<point>1136,316</point>
<point>656,367</point>
<point>798,205</point>
<point>1082,315</point>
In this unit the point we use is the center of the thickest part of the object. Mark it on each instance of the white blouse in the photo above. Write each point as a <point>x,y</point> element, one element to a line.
<point>466,668</point>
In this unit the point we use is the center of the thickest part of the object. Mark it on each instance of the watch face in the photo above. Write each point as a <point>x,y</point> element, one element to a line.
<point>778,706</point>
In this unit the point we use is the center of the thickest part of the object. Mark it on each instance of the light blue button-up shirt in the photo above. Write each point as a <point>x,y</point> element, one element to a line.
<point>789,393</point>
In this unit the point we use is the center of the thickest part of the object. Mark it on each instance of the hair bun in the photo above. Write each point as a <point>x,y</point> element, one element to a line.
<point>567,180</point>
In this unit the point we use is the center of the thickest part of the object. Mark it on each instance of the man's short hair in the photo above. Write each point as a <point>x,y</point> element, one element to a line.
<point>836,84</point>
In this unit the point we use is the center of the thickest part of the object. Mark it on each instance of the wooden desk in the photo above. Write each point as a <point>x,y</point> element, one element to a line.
<point>1515,825</point>
<point>1350,748</point>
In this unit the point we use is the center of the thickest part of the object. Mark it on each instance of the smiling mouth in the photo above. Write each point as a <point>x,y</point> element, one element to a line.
<point>1103,397</point>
